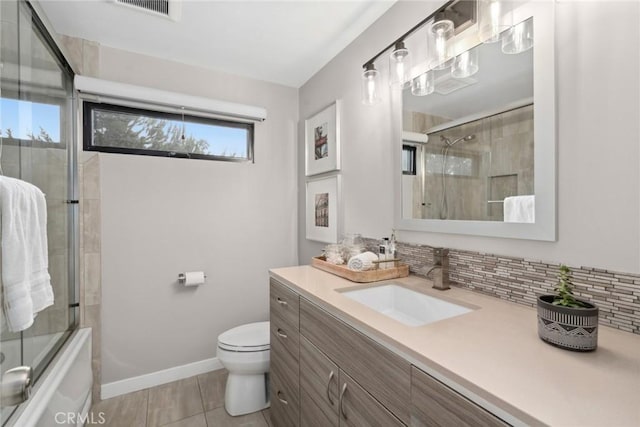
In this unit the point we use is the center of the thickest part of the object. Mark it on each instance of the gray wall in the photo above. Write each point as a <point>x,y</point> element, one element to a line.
<point>164,216</point>
<point>597,99</point>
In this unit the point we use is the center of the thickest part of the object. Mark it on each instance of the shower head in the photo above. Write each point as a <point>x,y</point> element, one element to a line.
<point>448,142</point>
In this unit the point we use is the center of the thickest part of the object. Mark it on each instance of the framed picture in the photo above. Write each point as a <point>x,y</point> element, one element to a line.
<point>322,141</point>
<point>323,209</point>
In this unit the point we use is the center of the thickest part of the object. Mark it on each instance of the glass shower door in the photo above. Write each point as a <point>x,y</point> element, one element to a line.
<point>37,146</point>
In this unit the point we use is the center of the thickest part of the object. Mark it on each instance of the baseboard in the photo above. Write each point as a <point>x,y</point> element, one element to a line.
<point>153,379</point>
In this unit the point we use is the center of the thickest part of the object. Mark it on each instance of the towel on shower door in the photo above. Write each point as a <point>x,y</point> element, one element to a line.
<point>26,283</point>
<point>520,209</point>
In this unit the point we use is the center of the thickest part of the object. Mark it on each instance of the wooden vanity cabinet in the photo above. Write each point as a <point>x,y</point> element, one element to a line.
<point>435,404</point>
<point>384,374</point>
<point>358,408</point>
<point>284,371</point>
<point>324,373</point>
<point>319,393</point>
<point>331,398</point>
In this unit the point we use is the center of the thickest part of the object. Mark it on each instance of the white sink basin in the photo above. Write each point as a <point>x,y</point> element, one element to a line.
<point>404,305</point>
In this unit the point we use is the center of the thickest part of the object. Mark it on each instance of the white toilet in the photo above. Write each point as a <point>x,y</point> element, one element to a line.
<point>244,351</point>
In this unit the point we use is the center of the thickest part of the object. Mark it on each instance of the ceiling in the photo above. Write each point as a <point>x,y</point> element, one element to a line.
<point>284,42</point>
<point>501,80</point>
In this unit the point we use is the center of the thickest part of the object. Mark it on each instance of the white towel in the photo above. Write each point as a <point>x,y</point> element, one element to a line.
<point>362,262</point>
<point>25,261</point>
<point>520,209</point>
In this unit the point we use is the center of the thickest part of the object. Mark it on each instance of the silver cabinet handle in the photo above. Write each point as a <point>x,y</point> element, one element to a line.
<point>281,301</point>
<point>281,333</point>
<point>284,402</point>
<point>344,389</point>
<point>331,375</point>
<point>16,385</point>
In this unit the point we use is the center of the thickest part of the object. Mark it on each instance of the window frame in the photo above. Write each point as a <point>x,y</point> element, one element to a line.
<point>87,132</point>
<point>413,154</point>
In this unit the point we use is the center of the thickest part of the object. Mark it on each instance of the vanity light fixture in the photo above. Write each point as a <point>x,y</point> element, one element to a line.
<point>424,84</point>
<point>454,16</point>
<point>399,65</point>
<point>440,32</point>
<point>370,85</point>
<point>465,64</point>
<point>518,38</point>
<point>493,19</point>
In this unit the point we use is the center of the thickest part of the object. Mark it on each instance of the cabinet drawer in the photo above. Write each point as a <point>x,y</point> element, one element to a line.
<point>285,410</point>
<point>382,373</point>
<point>284,303</point>
<point>318,387</point>
<point>285,366</point>
<point>284,386</point>
<point>435,404</point>
<point>359,408</point>
<point>284,336</point>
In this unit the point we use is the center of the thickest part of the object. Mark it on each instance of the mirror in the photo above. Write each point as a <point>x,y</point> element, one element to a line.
<point>477,160</point>
<point>478,154</point>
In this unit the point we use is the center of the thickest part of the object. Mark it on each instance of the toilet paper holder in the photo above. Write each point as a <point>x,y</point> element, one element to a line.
<point>182,278</point>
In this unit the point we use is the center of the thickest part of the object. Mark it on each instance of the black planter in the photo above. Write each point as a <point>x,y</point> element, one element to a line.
<point>571,328</point>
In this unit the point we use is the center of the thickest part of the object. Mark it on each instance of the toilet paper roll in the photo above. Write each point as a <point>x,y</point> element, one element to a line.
<point>193,278</point>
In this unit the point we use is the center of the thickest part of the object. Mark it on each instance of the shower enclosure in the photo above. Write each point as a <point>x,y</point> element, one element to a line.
<point>37,145</point>
<point>465,172</point>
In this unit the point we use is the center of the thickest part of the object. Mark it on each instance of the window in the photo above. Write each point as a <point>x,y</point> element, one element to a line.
<point>408,160</point>
<point>116,129</point>
<point>32,122</point>
<point>458,165</point>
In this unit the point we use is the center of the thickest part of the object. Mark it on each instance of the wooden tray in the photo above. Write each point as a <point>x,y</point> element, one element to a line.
<point>401,270</point>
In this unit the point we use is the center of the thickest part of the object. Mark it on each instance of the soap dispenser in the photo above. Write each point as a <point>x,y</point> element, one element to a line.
<point>383,253</point>
<point>393,254</point>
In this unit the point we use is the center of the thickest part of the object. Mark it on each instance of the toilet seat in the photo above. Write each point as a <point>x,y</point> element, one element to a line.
<point>252,337</point>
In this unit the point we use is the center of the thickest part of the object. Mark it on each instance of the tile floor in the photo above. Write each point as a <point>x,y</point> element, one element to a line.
<point>193,402</point>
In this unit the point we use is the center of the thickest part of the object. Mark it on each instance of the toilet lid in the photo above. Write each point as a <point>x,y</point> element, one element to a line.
<point>250,337</point>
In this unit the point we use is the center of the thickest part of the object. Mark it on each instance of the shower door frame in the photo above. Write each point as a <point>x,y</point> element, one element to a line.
<point>25,9</point>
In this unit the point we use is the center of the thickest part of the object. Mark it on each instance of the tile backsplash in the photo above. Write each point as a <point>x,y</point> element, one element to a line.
<point>521,281</point>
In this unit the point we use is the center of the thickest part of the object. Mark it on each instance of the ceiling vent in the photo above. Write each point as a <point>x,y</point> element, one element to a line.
<point>167,8</point>
<point>447,84</point>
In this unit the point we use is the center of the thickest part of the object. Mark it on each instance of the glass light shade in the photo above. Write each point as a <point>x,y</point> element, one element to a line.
<point>465,64</point>
<point>399,66</point>
<point>370,85</point>
<point>519,38</point>
<point>424,84</point>
<point>493,19</point>
<point>440,33</point>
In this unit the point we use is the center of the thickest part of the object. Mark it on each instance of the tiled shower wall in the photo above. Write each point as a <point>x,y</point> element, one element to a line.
<point>85,59</point>
<point>521,281</point>
<point>90,261</point>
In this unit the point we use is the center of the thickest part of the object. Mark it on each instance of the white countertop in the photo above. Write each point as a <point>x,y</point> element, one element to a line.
<point>493,354</point>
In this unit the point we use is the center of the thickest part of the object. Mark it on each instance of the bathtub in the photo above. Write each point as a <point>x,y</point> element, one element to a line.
<point>11,350</point>
<point>62,395</point>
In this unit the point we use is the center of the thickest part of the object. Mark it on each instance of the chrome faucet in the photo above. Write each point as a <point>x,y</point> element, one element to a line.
<point>441,264</point>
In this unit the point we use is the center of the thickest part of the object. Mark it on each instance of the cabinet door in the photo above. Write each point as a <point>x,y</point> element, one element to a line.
<point>435,404</point>
<point>381,372</point>
<point>318,387</point>
<point>358,408</point>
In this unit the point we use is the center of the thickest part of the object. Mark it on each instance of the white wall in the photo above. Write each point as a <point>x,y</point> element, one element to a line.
<point>598,94</point>
<point>164,216</point>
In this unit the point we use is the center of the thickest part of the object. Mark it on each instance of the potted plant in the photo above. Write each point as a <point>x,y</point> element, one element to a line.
<point>564,320</point>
